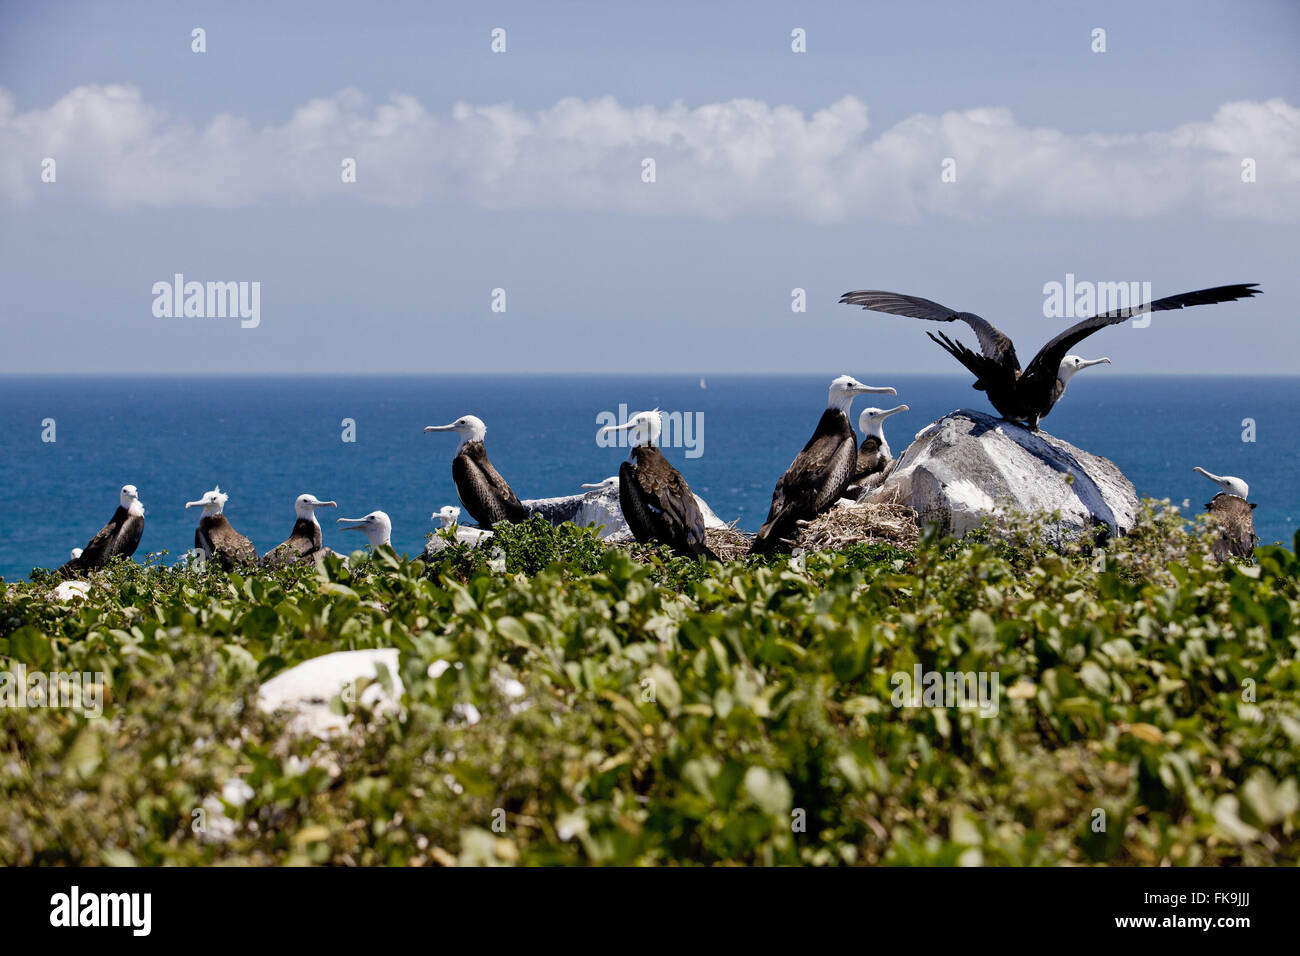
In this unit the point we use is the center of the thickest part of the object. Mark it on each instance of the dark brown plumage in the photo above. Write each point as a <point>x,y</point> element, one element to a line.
<point>121,536</point>
<point>659,505</point>
<point>873,457</point>
<point>815,480</point>
<point>1234,523</point>
<point>303,543</point>
<point>220,542</point>
<point>482,490</point>
<point>1027,396</point>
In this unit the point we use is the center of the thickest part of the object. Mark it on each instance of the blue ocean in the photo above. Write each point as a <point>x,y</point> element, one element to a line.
<point>265,440</point>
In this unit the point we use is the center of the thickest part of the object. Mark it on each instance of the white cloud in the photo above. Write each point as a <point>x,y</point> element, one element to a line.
<point>720,161</point>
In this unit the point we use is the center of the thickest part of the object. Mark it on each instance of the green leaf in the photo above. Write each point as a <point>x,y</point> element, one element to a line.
<point>29,645</point>
<point>769,790</point>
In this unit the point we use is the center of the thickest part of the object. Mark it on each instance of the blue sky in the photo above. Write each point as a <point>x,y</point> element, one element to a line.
<point>775,170</point>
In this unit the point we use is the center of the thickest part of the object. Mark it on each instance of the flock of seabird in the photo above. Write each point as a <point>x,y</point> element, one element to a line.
<point>656,501</point>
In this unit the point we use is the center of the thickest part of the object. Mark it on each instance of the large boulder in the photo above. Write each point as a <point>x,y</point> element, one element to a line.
<point>969,465</point>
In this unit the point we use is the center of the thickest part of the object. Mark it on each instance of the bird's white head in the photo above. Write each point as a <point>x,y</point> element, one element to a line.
<point>846,388</point>
<point>130,500</point>
<point>644,426</point>
<point>305,506</point>
<point>1076,363</point>
<point>1233,486</point>
<point>376,525</point>
<point>446,516</point>
<point>468,427</point>
<point>609,484</point>
<point>871,419</point>
<point>211,503</point>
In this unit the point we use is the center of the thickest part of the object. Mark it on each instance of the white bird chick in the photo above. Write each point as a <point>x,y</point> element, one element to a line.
<point>468,427</point>
<point>129,499</point>
<point>376,526</point>
<point>1076,363</point>
<point>446,516</point>
<point>871,420</point>
<point>609,484</point>
<point>211,503</point>
<point>846,388</point>
<point>305,507</point>
<point>645,427</point>
<point>1233,486</point>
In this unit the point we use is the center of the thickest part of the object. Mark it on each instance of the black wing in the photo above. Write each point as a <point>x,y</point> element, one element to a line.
<point>993,341</point>
<point>635,512</point>
<point>484,493</point>
<point>814,481</point>
<point>981,367</point>
<point>658,504</point>
<point>120,536</point>
<point>229,547</point>
<point>1046,365</point>
<point>128,538</point>
<point>97,552</point>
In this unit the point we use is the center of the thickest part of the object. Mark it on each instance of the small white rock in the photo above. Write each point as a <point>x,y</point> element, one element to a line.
<point>305,691</point>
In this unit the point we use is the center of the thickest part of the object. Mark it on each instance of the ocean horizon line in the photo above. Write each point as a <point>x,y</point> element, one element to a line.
<point>586,373</point>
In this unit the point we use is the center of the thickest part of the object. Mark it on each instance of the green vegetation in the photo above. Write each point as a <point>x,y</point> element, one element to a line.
<point>675,712</point>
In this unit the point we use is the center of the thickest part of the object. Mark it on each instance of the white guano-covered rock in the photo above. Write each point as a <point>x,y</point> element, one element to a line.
<point>968,466</point>
<point>305,691</point>
<point>600,506</point>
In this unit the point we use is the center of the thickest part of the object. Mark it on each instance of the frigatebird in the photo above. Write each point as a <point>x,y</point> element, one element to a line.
<point>656,501</point>
<point>120,536</point>
<point>1026,397</point>
<point>874,457</point>
<point>817,477</point>
<point>305,541</point>
<point>481,489</point>
<point>1230,513</point>
<point>215,537</point>
<point>377,527</point>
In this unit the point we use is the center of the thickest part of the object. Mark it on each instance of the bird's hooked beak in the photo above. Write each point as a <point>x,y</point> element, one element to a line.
<point>894,411</point>
<point>1229,483</point>
<point>195,504</point>
<point>440,428</point>
<point>618,428</point>
<point>354,524</point>
<point>1089,363</point>
<point>322,504</point>
<point>873,390</point>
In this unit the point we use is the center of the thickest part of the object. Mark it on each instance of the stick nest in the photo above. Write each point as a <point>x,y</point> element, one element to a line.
<point>860,523</point>
<point>729,544</point>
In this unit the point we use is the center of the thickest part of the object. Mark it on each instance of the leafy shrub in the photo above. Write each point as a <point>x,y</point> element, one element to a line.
<point>592,708</point>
